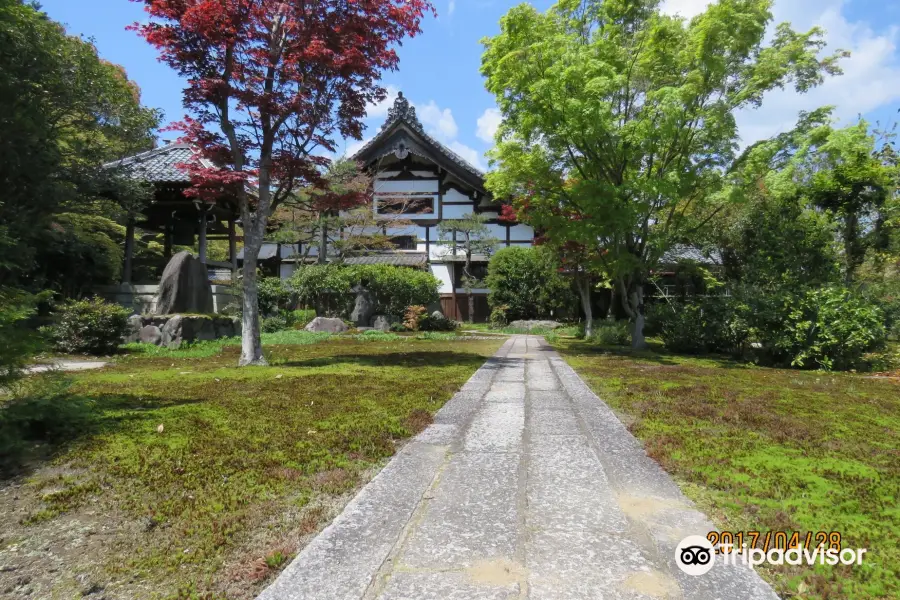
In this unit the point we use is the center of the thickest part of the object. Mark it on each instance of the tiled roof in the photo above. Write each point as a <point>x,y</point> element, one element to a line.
<point>403,111</point>
<point>266,251</point>
<point>399,259</point>
<point>680,252</point>
<point>157,166</point>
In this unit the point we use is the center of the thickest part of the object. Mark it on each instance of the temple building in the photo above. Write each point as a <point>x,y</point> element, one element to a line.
<point>422,182</point>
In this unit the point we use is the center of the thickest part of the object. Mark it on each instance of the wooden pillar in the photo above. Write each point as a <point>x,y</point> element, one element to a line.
<point>232,249</point>
<point>202,240</point>
<point>167,237</point>
<point>129,250</point>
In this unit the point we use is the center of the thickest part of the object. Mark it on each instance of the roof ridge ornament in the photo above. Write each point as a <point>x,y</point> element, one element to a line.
<point>402,110</point>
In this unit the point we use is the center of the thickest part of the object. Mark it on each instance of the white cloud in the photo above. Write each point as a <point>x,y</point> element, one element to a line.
<point>437,122</point>
<point>380,109</point>
<point>353,146</point>
<point>871,76</point>
<point>471,155</point>
<point>451,8</point>
<point>488,123</point>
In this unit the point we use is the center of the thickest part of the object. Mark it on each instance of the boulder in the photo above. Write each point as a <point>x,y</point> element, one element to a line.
<point>326,324</point>
<point>133,334</point>
<point>363,308</point>
<point>381,323</point>
<point>437,315</point>
<point>187,328</point>
<point>184,287</point>
<point>537,324</point>
<point>150,334</point>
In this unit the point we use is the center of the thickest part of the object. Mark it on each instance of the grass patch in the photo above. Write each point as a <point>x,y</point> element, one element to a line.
<point>768,449</point>
<point>207,475</point>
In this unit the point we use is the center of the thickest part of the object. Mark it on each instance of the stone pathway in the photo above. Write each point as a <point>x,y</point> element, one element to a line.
<point>67,365</point>
<point>525,486</point>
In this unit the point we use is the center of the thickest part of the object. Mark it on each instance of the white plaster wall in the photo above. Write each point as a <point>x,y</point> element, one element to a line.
<point>498,231</point>
<point>453,195</point>
<point>521,232</point>
<point>455,211</point>
<point>439,251</point>
<point>425,186</point>
<point>286,270</point>
<point>442,272</point>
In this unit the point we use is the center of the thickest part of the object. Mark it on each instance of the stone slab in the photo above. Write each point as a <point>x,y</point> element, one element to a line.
<point>472,515</point>
<point>496,427</point>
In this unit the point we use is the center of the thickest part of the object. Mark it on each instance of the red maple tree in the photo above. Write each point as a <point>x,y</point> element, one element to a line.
<point>271,83</point>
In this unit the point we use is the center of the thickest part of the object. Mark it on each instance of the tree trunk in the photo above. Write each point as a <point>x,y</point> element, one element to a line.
<point>251,340</point>
<point>584,292</point>
<point>852,253</point>
<point>636,300</point>
<point>471,306</point>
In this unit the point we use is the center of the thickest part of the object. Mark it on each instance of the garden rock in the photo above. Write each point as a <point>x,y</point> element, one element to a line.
<point>326,325</point>
<point>184,287</point>
<point>364,307</point>
<point>150,334</point>
<point>381,323</point>
<point>187,328</point>
<point>134,329</point>
<point>537,324</point>
<point>437,315</point>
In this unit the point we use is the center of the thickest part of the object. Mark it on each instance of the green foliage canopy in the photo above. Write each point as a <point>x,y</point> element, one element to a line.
<point>618,121</point>
<point>527,281</point>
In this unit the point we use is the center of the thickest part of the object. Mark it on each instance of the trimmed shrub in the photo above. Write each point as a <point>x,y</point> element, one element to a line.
<point>273,324</point>
<point>274,296</point>
<point>89,326</point>
<point>528,283</point>
<point>393,288</point>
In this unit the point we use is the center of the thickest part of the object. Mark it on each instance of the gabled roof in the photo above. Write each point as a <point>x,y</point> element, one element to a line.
<point>398,259</point>
<point>402,133</point>
<point>159,165</point>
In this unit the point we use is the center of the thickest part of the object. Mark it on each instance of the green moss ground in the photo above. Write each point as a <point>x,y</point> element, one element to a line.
<point>766,449</point>
<point>214,472</point>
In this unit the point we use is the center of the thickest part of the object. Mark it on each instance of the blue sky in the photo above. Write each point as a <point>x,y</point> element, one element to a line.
<point>439,68</point>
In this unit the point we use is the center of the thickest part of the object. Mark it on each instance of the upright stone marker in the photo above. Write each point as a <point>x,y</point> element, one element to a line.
<point>184,287</point>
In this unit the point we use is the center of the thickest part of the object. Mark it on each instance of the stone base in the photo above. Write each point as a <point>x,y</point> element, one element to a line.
<point>173,330</point>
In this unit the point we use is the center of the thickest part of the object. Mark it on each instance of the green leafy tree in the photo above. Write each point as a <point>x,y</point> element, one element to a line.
<point>469,236</point>
<point>63,113</point>
<point>618,121</point>
<point>528,282</point>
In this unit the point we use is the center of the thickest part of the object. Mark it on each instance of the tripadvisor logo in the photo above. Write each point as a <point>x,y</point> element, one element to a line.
<point>696,555</point>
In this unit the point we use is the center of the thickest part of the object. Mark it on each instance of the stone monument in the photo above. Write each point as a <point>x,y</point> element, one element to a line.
<point>364,308</point>
<point>184,287</point>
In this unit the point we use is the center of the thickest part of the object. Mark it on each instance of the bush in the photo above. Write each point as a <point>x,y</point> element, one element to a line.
<point>298,319</point>
<point>19,340</point>
<point>274,296</point>
<point>528,283</point>
<point>329,287</point>
<point>828,328</point>
<point>273,324</point>
<point>89,326</point>
<point>437,323</point>
<point>412,316</point>
<point>498,316</point>
<point>712,324</point>
<point>611,333</point>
